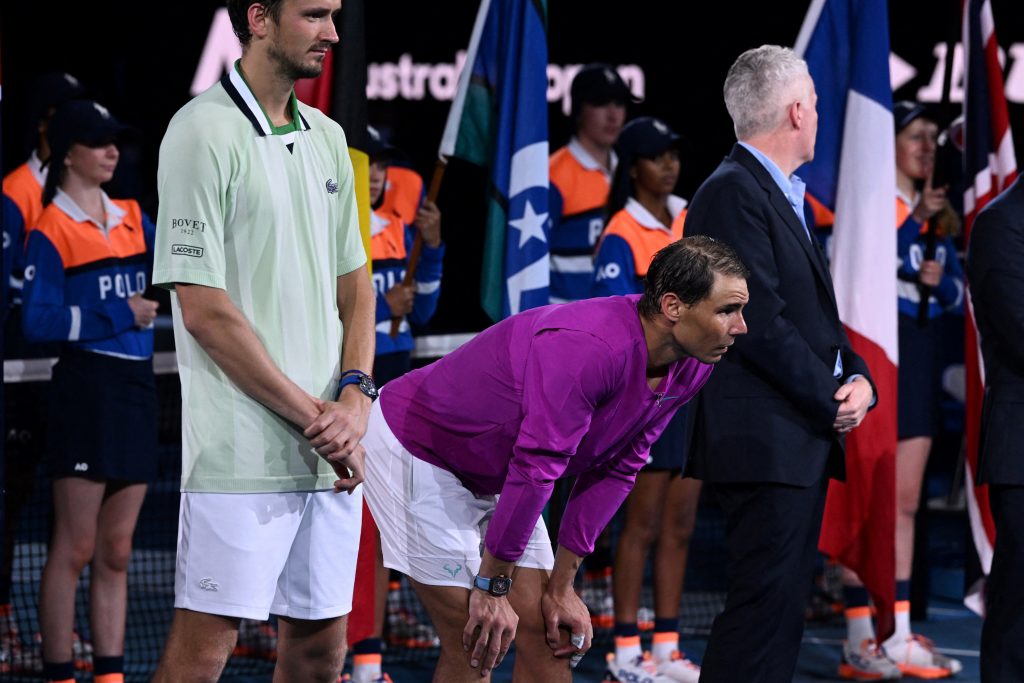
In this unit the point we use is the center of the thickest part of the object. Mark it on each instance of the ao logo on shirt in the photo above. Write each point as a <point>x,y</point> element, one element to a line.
<point>917,255</point>
<point>609,271</point>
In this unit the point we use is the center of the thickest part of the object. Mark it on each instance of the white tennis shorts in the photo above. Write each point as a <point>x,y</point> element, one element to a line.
<point>431,526</point>
<point>250,555</point>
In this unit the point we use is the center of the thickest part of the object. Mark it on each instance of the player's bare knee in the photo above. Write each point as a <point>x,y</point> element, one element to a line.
<point>114,555</point>
<point>318,659</point>
<point>324,669</point>
<point>531,637</point>
<point>646,532</point>
<point>202,673</point>
<point>201,665</point>
<point>80,553</point>
<point>450,625</point>
<point>72,548</point>
<point>449,616</point>
<point>680,534</point>
<point>532,648</point>
<point>198,648</point>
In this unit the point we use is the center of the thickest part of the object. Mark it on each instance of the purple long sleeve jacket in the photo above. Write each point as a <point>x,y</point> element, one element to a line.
<point>551,392</point>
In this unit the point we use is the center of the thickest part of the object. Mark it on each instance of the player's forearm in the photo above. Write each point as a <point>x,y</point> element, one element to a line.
<point>226,336</point>
<point>567,563</point>
<point>490,566</point>
<point>356,307</point>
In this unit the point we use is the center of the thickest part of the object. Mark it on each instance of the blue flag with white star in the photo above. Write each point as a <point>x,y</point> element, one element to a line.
<point>499,120</point>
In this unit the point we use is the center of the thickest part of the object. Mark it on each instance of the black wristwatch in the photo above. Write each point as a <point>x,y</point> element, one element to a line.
<point>362,381</point>
<point>498,586</point>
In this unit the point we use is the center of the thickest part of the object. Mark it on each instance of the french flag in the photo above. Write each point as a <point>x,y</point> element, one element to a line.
<point>990,167</point>
<point>846,46</point>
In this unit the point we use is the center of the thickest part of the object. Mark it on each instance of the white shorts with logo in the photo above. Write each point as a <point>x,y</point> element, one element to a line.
<point>250,555</point>
<point>431,526</point>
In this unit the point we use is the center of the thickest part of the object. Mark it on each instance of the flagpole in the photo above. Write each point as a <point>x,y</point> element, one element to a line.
<point>417,245</point>
<point>941,159</point>
<point>448,140</point>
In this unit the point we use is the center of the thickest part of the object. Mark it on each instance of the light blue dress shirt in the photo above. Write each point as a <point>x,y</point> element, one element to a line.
<point>792,187</point>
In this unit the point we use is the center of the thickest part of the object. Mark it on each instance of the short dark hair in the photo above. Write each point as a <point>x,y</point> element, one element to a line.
<point>687,269</point>
<point>238,11</point>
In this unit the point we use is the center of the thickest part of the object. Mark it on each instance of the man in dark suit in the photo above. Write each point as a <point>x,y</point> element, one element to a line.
<point>995,268</point>
<point>770,422</point>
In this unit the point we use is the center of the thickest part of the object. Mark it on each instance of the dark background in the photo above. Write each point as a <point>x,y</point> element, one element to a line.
<point>141,67</point>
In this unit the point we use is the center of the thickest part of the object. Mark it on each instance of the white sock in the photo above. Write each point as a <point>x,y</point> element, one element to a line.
<point>902,631</point>
<point>664,645</point>
<point>627,648</point>
<point>366,668</point>
<point>859,626</point>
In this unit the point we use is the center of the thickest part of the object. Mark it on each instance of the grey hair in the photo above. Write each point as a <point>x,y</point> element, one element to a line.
<point>756,88</point>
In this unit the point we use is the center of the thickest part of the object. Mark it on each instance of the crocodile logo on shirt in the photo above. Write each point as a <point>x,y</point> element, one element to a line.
<point>208,584</point>
<point>332,187</point>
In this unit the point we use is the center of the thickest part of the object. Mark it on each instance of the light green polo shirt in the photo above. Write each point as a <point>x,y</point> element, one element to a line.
<point>268,215</point>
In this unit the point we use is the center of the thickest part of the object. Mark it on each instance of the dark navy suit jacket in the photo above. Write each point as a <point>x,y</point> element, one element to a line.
<point>995,267</point>
<point>767,412</point>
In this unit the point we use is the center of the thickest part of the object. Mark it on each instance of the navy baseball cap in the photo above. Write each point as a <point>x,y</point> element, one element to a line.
<point>599,84</point>
<point>905,112</point>
<point>50,91</point>
<point>646,137</point>
<point>377,147</point>
<point>83,122</point>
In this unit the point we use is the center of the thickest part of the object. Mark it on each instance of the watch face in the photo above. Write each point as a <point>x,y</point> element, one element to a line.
<point>367,386</point>
<point>500,585</point>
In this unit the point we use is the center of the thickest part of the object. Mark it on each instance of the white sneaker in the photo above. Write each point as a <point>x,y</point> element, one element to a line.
<point>916,656</point>
<point>866,662</point>
<point>641,670</point>
<point>680,669</point>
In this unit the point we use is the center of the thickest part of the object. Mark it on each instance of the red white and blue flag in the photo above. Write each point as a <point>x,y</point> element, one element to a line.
<point>990,167</point>
<point>853,174</point>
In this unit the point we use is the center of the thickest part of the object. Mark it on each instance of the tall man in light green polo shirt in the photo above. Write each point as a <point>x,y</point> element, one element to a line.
<point>258,237</point>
